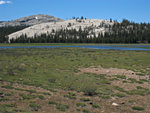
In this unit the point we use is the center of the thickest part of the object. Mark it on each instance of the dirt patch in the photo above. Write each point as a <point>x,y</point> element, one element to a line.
<point>113,71</point>
<point>23,65</point>
<point>130,86</point>
<point>107,71</point>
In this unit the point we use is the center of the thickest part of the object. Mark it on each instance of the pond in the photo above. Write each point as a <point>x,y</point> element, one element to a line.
<point>107,47</point>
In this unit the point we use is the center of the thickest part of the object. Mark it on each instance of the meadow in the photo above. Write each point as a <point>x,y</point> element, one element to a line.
<point>52,80</point>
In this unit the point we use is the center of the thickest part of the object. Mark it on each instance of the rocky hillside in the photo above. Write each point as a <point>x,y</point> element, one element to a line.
<point>83,31</point>
<point>30,20</point>
<point>95,26</point>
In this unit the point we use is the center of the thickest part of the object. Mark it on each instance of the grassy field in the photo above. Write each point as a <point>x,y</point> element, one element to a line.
<point>61,44</point>
<point>50,80</point>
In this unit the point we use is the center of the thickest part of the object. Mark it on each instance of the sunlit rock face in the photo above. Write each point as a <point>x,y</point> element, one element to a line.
<point>96,26</point>
<point>31,20</point>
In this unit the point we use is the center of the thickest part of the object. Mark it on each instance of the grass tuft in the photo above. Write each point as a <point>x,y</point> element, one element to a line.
<point>138,108</point>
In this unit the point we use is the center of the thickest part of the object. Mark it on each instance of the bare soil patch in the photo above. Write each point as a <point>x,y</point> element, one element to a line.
<point>112,71</point>
<point>107,71</point>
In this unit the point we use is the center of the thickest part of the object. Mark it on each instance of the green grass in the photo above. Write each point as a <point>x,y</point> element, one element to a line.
<point>34,107</point>
<point>141,81</point>
<point>138,108</point>
<point>121,95</point>
<point>95,106</point>
<point>52,102</point>
<point>59,106</point>
<point>120,76</point>
<point>119,89</point>
<point>27,96</point>
<point>86,111</point>
<point>9,105</point>
<point>4,99</point>
<point>70,95</point>
<point>27,90</point>
<point>81,104</point>
<point>62,107</point>
<point>144,80</point>
<point>56,68</point>
<point>7,87</point>
<point>138,91</point>
<point>10,108</point>
<point>41,97</point>
<point>9,94</point>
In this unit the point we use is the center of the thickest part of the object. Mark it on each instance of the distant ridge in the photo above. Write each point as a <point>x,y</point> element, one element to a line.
<point>31,20</point>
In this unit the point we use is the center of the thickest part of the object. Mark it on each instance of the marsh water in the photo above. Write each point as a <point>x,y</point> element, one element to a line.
<point>107,47</point>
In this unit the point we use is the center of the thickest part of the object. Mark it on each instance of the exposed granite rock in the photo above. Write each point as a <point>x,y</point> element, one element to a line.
<point>95,25</point>
<point>31,20</point>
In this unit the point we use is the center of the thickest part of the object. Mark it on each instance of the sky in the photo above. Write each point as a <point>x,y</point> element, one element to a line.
<point>133,10</point>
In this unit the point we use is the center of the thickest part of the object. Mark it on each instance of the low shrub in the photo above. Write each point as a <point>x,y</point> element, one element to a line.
<point>86,111</point>
<point>121,76</point>
<point>138,108</point>
<point>27,97</point>
<point>62,107</point>
<point>90,91</point>
<point>70,95</point>
<point>120,95</point>
<point>81,104</point>
<point>95,106</point>
<point>85,99</point>
<point>8,87</point>
<point>52,102</point>
<point>41,97</point>
<point>34,107</point>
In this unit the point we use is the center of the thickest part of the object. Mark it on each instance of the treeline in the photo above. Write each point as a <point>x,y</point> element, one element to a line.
<point>124,32</point>
<point>129,32</point>
<point>4,31</point>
